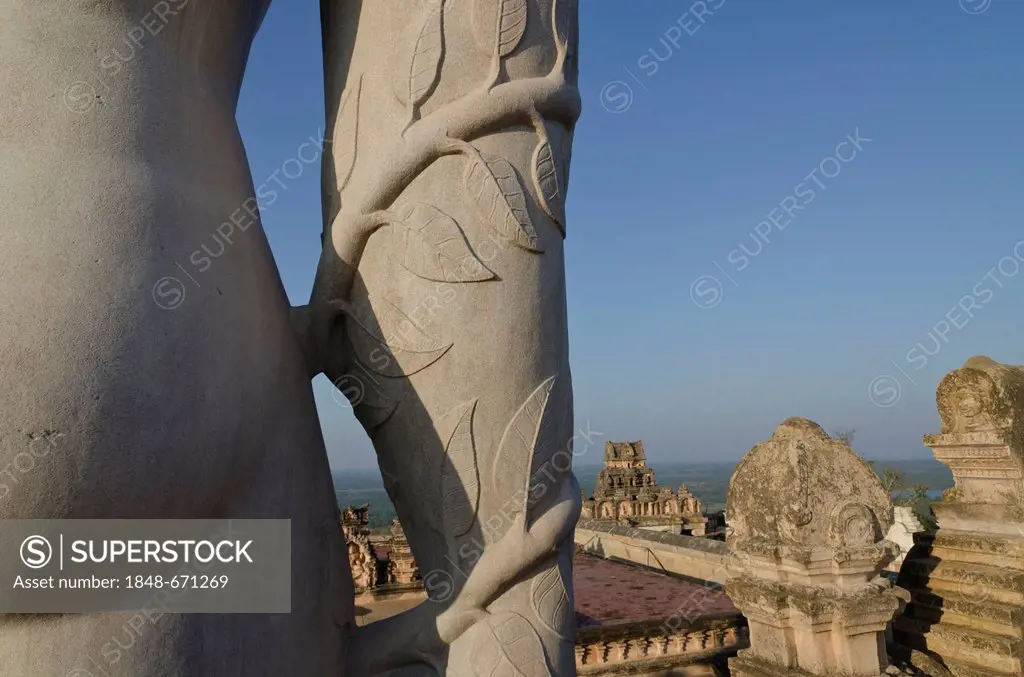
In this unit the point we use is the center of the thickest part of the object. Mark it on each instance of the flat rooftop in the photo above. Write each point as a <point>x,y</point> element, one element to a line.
<point>612,593</point>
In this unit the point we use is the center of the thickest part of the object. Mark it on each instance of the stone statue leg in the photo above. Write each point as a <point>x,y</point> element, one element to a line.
<point>439,308</point>
<point>148,366</point>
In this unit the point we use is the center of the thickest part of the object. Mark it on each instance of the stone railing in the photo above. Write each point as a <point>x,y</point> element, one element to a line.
<point>674,645</point>
<point>700,559</point>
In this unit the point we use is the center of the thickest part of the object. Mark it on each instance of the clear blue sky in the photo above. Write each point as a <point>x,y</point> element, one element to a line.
<point>717,134</point>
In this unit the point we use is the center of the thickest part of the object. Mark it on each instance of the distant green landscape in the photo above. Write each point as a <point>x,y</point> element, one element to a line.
<point>708,481</point>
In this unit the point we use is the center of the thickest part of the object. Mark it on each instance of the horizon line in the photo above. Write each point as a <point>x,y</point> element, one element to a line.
<point>874,460</point>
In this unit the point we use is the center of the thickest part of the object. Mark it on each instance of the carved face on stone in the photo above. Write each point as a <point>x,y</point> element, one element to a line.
<point>968,404</point>
<point>968,401</point>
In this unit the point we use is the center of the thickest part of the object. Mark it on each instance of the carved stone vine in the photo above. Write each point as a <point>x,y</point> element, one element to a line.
<point>340,333</point>
<point>491,181</point>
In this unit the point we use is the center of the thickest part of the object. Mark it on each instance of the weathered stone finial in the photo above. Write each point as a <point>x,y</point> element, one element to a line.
<point>982,441</point>
<point>981,395</point>
<point>808,517</point>
<point>804,496</point>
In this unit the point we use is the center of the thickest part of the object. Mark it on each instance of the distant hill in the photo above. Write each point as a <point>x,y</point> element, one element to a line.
<point>708,481</point>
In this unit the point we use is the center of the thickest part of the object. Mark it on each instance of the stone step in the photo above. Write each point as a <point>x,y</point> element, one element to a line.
<point>1000,551</point>
<point>959,669</point>
<point>975,581</point>
<point>967,541</point>
<point>979,558</point>
<point>953,608</point>
<point>969,647</point>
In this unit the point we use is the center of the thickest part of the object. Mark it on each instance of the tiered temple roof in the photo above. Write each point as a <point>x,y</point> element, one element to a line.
<point>627,491</point>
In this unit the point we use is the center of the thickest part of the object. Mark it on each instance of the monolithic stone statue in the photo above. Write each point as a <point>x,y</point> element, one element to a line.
<point>147,349</point>
<point>441,297</point>
<point>136,380</point>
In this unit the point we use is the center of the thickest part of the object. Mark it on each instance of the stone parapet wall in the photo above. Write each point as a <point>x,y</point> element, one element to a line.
<point>695,648</point>
<point>697,558</point>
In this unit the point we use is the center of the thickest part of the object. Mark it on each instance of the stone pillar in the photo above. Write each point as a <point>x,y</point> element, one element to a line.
<point>967,582</point>
<point>808,522</point>
<point>402,567</point>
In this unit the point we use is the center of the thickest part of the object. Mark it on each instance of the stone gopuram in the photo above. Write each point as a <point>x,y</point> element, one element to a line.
<point>808,518</point>
<point>967,581</point>
<point>627,491</point>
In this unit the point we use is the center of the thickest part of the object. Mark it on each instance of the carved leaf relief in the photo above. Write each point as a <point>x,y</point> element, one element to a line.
<point>549,181</point>
<point>372,407</point>
<point>563,23</point>
<point>389,343</point>
<point>519,444</point>
<point>506,645</point>
<point>417,75</point>
<point>346,133</point>
<point>498,193</point>
<point>551,600</point>
<point>545,474</point>
<point>566,21</point>
<point>500,24</point>
<point>429,243</point>
<point>460,480</point>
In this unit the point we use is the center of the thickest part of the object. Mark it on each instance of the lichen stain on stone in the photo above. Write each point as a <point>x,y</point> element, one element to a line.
<point>788,490</point>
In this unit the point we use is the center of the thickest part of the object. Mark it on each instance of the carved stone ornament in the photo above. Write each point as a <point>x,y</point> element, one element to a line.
<point>982,395</point>
<point>808,518</point>
<point>802,492</point>
<point>982,440</point>
<point>362,562</point>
